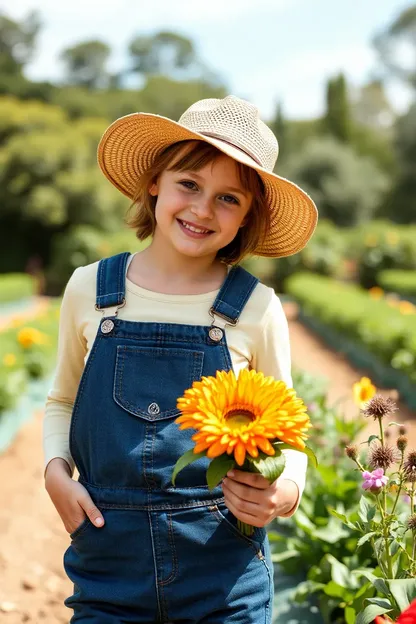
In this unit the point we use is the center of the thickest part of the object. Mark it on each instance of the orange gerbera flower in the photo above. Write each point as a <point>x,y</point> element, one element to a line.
<point>242,415</point>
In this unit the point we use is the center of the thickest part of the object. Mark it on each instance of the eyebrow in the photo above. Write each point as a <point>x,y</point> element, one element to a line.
<point>232,189</point>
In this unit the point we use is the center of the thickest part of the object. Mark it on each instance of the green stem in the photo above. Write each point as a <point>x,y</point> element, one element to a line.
<point>400,486</point>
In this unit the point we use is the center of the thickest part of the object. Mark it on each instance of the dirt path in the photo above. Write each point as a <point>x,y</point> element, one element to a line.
<point>33,584</point>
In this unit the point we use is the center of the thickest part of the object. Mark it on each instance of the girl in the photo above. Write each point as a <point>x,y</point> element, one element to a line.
<point>136,331</point>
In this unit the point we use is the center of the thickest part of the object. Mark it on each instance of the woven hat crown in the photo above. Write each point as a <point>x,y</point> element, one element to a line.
<point>236,122</point>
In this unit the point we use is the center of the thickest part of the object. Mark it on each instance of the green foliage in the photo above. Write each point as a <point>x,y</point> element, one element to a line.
<point>313,539</point>
<point>402,282</point>
<point>83,245</point>
<point>384,331</point>
<point>17,42</point>
<point>378,246</point>
<point>399,35</point>
<point>86,64</point>
<point>163,53</point>
<point>331,536</point>
<point>346,187</point>
<point>14,286</point>
<point>337,120</point>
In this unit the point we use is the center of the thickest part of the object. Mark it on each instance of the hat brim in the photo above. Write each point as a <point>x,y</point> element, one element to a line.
<point>130,145</point>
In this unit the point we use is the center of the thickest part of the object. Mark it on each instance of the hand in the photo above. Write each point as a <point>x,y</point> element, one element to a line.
<point>251,498</point>
<point>72,501</point>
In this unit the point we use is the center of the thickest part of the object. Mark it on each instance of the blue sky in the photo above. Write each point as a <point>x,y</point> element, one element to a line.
<point>266,50</point>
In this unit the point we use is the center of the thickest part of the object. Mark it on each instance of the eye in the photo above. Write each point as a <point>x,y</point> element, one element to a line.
<point>189,184</point>
<point>229,199</point>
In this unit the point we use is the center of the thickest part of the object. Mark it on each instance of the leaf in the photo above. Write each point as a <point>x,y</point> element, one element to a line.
<point>366,511</point>
<point>369,613</point>
<point>184,460</point>
<point>349,614</point>
<point>331,533</point>
<point>271,467</point>
<point>365,538</point>
<point>309,452</point>
<point>343,518</point>
<point>217,470</point>
<point>370,439</point>
<point>334,590</point>
<point>381,602</point>
<point>403,590</point>
<point>341,574</point>
<point>284,556</point>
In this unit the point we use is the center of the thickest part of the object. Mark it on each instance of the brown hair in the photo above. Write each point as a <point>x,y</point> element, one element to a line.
<point>173,158</point>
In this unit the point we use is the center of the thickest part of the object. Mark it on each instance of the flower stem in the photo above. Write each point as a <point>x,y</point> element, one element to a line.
<point>400,486</point>
<point>246,529</point>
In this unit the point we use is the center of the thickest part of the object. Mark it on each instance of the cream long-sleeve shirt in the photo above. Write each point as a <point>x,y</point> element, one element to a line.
<point>260,341</point>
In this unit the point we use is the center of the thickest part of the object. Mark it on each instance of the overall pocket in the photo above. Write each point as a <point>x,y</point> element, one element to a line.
<point>149,380</point>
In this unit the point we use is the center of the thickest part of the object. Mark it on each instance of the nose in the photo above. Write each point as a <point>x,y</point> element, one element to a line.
<point>203,208</point>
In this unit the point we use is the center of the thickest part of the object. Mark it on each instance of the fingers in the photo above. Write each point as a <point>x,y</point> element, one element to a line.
<point>243,506</point>
<point>93,513</point>
<point>252,479</point>
<point>241,515</point>
<point>243,492</point>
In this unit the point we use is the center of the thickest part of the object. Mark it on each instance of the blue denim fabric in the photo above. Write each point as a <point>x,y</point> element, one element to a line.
<point>165,554</point>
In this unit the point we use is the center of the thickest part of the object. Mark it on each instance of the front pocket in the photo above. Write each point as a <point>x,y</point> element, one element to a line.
<point>80,528</point>
<point>226,519</point>
<point>149,380</point>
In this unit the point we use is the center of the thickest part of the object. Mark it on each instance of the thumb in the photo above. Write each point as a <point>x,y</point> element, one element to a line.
<point>93,513</point>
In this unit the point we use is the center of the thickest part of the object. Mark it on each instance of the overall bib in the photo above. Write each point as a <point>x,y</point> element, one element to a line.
<point>165,554</point>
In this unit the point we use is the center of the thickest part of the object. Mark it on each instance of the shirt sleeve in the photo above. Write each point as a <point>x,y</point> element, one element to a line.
<point>70,364</point>
<point>273,357</point>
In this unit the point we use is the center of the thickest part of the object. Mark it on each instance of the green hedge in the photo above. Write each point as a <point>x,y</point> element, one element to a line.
<point>373,334</point>
<point>401,282</point>
<point>14,286</point>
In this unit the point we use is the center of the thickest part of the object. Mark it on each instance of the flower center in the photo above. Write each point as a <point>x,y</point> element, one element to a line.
<point>236,419</point>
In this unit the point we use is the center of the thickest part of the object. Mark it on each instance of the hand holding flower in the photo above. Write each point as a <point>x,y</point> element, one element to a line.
<point>252,499</point>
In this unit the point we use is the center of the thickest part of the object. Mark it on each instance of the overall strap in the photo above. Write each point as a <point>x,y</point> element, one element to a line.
<point>234,294</point>
<point>111,281</point>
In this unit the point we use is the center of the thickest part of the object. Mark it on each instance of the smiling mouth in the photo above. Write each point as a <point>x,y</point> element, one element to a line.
<point>193,228</point>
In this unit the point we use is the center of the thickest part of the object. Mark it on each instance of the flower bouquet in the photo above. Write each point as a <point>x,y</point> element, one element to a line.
<point>246,422</point>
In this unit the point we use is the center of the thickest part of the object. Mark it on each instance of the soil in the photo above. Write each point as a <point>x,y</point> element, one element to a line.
<point>33,539</point>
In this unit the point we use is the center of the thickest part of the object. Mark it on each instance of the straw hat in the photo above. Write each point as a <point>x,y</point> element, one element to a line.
<point>130,145</point>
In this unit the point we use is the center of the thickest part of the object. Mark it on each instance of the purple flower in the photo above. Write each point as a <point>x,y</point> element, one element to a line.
<point>375,480</point>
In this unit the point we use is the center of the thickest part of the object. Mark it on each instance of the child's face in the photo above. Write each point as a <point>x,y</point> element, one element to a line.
<point>200,212</point>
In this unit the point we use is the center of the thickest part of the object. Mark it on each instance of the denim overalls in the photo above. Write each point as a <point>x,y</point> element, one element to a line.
<point>165,554</point>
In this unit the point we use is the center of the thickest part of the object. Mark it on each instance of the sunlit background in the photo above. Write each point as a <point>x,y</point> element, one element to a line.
<point>336,83</point>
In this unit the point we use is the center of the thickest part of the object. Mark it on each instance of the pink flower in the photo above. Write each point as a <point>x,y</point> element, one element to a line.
<point>375,480</point>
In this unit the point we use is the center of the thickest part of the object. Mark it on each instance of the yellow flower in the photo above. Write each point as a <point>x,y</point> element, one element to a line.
<point>242,415</point>
<point>406,307</point>
<point>392,238</point>
<point>363,391</point>
<point>9,359</point>
<point>371,240</point>
<point>29,336</point>
<point>376,292</point>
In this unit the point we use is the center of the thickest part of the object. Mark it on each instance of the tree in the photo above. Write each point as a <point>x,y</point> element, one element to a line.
<point>86,64</point>
<point>17,42</point>
<point>371,106</point>
<point>399,36</point>
<point>280,128</point>
<point>337,120</point>
<point>400,204</point>
<point>347,188</point>
<point>165,53</point>
<point>49,180</point>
